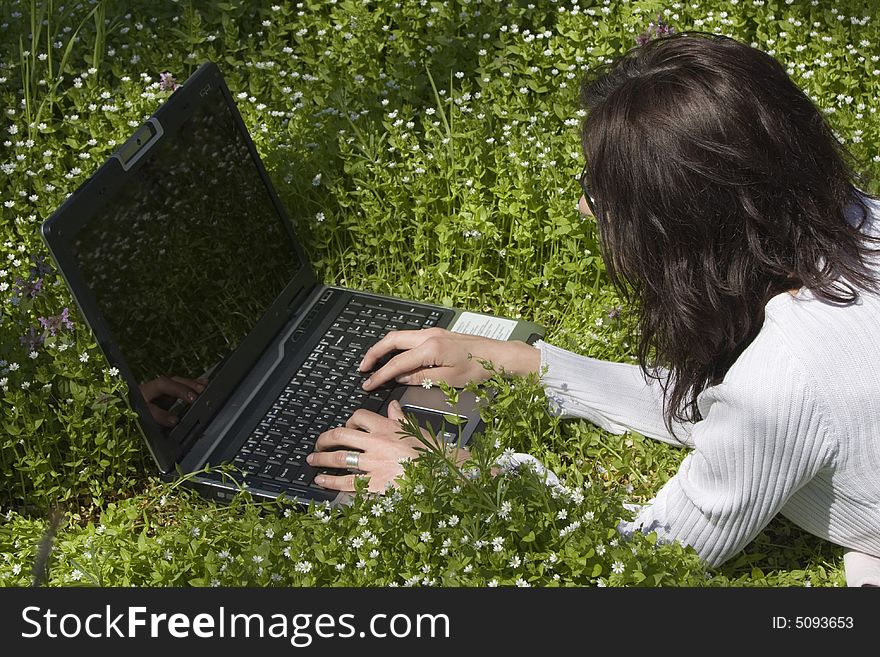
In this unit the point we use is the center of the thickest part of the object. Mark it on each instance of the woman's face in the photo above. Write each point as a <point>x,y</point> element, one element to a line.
<point>584,207</point>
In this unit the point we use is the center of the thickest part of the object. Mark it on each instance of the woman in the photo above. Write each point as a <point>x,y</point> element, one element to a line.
<point>729,217</point>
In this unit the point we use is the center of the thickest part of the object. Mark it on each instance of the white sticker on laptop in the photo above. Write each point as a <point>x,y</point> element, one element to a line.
<point>484,325</point>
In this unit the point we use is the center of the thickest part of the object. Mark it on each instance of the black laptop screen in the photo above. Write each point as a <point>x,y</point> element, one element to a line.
<point>190,252</point>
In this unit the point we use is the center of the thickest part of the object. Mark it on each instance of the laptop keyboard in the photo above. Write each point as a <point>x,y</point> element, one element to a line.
<point>324,392</point>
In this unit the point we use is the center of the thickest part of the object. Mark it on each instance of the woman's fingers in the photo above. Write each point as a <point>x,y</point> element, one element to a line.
<point>194,385</point>
<point>342,483</point>
<point>342,437</point>
<point>395,341</point>
<point>378,455</point>
<point>168,386</point>
<point>369,421</point>
<point>162,417</point>
<point>340,458</point>
<point>425,355</point>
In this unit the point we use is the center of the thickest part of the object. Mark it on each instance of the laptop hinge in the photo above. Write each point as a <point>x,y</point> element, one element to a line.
<point>296,304</point>
<point>195,431</point>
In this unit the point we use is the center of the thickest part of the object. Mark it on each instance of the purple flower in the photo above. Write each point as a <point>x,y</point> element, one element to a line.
<point>167,82</point>
<point>661,29</point>
<point>55,322</point>
<point>34,284</point>
<point>32,339</point>
<point>40,268</point>
<point>29,288</point>
<point>614,313</point>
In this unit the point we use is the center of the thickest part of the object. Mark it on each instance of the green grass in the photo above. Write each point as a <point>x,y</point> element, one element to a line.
<point>427,151</point>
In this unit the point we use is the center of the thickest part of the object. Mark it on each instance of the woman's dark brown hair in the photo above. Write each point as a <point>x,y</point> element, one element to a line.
<point>718,185</point>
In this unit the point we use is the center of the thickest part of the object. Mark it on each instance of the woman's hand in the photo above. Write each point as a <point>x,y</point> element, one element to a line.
<point>379,447</point>
<point>441,355</point>
<point>171,388</point>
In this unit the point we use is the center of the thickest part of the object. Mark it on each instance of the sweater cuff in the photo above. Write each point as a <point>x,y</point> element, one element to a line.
<point>646,520</point>
<point>556,376</point>
<point>861,569</point>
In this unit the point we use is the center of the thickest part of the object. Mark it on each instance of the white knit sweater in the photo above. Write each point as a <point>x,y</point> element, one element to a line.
<point>794,428</point>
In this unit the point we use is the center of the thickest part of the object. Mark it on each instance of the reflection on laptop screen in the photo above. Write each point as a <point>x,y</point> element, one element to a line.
<point>190,253</point>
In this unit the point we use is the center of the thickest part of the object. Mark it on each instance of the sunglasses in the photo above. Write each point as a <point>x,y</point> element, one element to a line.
<point>582,179</point>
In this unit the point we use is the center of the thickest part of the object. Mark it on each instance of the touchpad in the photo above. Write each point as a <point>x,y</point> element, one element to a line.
<point>434,421</point>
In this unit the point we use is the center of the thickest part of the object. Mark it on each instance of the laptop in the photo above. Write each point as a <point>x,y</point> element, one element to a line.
<point>185,265</point>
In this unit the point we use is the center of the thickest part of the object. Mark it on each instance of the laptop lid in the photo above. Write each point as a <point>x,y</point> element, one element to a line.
<point>181,257</point>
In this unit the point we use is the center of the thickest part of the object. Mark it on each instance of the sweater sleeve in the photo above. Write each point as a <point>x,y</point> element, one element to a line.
<point>614,396</point>
<point>763,436</point>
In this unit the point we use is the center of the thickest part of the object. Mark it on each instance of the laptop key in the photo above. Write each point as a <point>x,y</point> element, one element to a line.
<point>325,419</point>
<point>372,404</point>
<point>304,475</point>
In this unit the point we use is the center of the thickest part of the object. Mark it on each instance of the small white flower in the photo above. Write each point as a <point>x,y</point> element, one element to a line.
<point>492,583</point>
<point>84,357</point>
<point>427,384</point>
<point>617,567</point>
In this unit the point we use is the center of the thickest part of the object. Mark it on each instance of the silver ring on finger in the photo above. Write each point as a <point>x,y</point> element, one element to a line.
<point>352,460</point>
